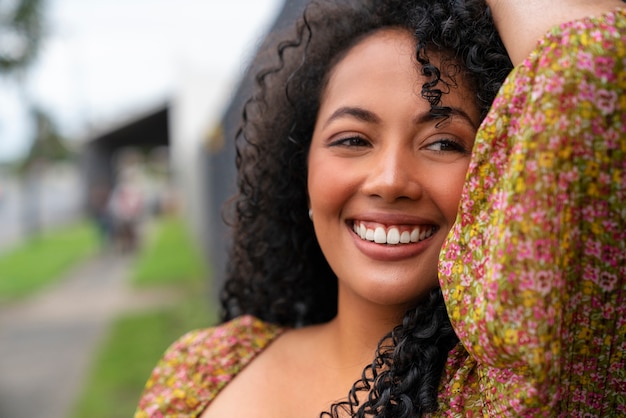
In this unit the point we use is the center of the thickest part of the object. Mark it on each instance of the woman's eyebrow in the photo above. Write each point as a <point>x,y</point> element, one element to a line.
<point>453,111</point>
<point>355,112</point>
<point>368,116</point>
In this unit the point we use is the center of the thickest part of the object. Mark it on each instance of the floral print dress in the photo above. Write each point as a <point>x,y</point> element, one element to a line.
<point>534,271</point>
<point>200,364</point>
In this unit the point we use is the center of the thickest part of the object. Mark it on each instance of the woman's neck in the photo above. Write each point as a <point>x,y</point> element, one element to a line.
<point>358,328</point>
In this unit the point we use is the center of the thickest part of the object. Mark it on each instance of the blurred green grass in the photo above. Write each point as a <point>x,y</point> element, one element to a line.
<point>168,258</point>
<point>41,260</point>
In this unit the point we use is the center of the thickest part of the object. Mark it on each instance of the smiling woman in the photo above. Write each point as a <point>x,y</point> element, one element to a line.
<point>338,312</point>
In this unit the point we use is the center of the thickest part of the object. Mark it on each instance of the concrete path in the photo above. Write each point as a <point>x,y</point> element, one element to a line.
<point>47,342</point>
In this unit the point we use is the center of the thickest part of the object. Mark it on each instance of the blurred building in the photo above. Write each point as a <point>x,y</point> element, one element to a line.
<point>198,125</point>
<point>218,160</point>
<point>101,153</point>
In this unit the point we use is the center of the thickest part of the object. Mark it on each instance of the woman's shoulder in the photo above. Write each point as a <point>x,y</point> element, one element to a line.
<point>200,363</point>
<point>234,337</point>
<point>213,354</point>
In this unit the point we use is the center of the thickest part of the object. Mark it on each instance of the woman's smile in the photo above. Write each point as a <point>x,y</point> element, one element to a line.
<point>394,234</point>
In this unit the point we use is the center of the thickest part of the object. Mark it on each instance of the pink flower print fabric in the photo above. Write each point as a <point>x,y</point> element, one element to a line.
<point>534,270</point>
<point>200,364</point>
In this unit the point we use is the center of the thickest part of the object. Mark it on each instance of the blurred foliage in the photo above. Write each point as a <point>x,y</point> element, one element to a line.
<point>137,341</point>
<point>41,260</point>
<point>48,144</point>
<point>21,30</point>
<point>131,351</point>
<point>21,33</point>
<point>169,257</point>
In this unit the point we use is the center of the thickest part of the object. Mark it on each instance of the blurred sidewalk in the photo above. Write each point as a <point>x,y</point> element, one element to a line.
<point>48,341</point>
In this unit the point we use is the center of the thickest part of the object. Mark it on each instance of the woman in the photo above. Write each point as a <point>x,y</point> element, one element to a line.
<point>534,269</point>
<point>351,158</point>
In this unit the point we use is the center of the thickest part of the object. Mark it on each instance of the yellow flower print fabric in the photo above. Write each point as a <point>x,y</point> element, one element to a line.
<point>200,364</point>
<point>534,271</point>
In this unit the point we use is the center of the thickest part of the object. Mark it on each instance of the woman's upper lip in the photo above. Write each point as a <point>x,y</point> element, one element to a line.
<point>392,219</point>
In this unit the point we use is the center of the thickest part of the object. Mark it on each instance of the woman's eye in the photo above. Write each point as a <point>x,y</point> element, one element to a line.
<point>447,145</point>
<point>351,141</point>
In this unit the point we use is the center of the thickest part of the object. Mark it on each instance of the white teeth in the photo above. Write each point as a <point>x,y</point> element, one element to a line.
<point>393,236</point>
<point>380,237</point>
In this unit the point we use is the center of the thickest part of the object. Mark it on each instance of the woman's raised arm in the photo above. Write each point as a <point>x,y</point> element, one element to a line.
<point>522,23</point>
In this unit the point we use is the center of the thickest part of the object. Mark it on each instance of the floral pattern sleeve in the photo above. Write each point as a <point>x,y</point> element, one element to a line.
<point>534,271</point>
<point>200,364</point>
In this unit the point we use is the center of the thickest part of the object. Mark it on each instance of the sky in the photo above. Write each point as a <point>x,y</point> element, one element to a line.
<point>103,61</point>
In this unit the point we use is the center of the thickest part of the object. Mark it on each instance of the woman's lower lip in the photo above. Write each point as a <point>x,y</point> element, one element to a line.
<point>387,252</point>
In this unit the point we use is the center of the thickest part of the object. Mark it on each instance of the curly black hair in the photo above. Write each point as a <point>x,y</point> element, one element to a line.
<point>276,270</point>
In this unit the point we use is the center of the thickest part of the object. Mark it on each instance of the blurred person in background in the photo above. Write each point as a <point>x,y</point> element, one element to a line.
<point>100,213</point>
<point>126,205</point>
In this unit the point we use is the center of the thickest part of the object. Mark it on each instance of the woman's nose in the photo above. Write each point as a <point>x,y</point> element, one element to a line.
<point>393,175</point>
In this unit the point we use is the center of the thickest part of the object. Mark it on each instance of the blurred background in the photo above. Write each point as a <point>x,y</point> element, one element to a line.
<point>116,127</point>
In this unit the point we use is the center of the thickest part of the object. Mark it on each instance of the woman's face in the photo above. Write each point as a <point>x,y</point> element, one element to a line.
<point>385,176</point>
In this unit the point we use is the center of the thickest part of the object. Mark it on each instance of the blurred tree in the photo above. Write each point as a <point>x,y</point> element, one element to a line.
<point>21,30</point>
<point>48,145</point>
